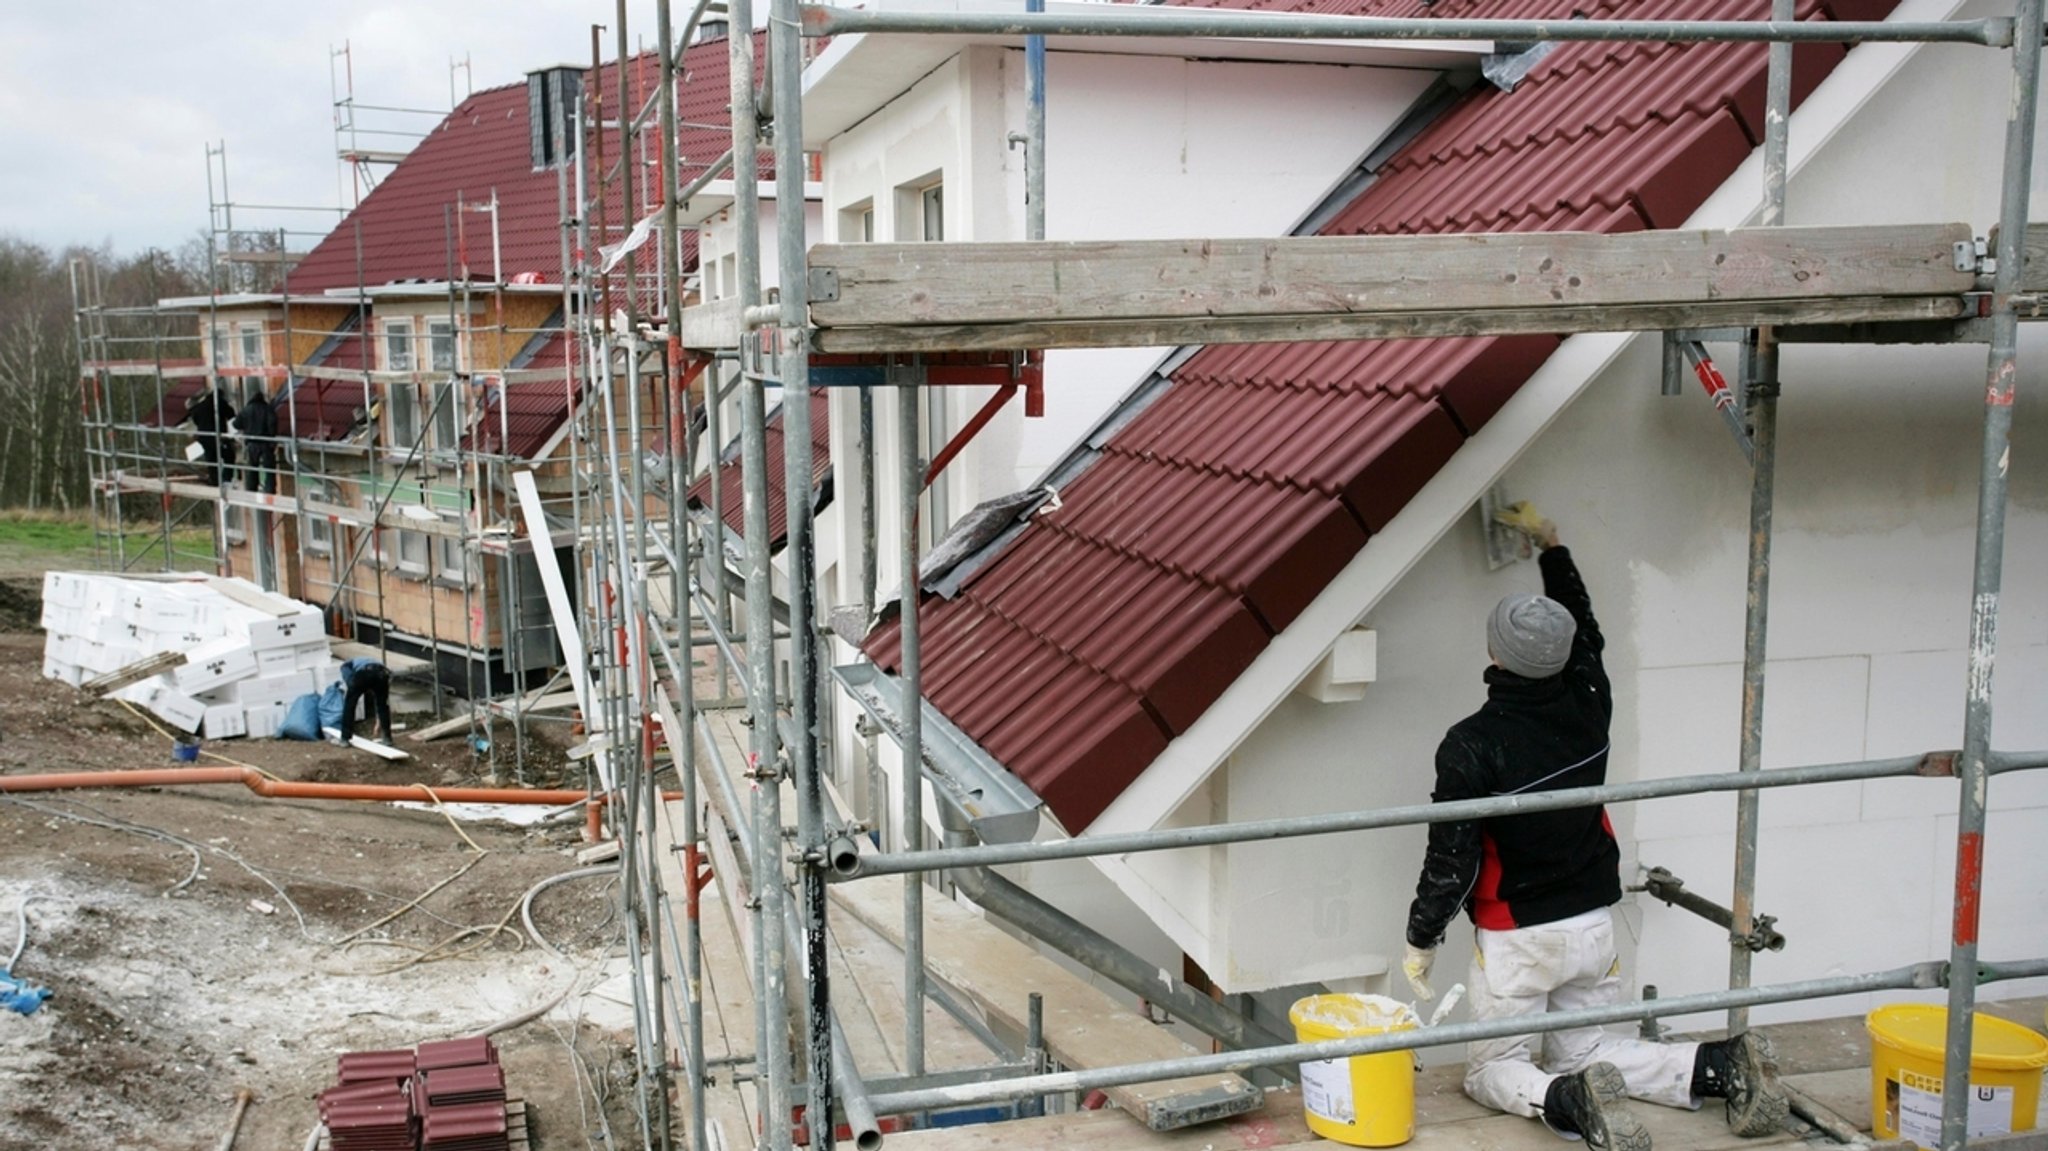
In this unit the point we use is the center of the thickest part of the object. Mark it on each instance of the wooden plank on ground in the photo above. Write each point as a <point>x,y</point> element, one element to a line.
<point>1084,1028</point>
<point>1389,325</point>
<point>134,673</point>
<point>1070,280</point>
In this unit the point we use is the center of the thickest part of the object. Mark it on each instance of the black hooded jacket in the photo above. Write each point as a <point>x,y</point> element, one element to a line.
<point>1532,735</point>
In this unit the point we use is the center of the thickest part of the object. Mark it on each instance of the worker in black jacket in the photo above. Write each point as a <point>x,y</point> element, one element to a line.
<point>211,415</point>
<point>1539,886</point>
<point>258,425</point>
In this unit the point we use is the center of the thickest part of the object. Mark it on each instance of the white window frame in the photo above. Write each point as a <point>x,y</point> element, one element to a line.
<point>250,345</point>
<point>931,211</point>
<point>319,529</point>
<point>222,351</point>
<point>455,573</point>
<point>234,523</point>
<point>402,398</point>
<point>440,337</point>
<point>411,565</point>
<point>444,402</point>
<point>399,354</point>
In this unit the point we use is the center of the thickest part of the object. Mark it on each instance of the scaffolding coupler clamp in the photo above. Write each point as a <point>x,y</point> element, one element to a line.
<point>1661,885</point>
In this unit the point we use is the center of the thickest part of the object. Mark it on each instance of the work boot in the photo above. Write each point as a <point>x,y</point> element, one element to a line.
<point>1742,1071</point>
<point>1594,1104</point>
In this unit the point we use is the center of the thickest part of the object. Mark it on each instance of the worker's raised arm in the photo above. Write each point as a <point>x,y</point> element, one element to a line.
<point>1562,583</point>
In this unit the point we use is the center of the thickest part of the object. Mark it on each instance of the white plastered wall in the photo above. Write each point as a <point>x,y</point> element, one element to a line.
<point>1869,607</point>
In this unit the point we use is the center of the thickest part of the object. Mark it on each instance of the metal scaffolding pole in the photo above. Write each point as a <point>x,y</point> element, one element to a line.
<point>1762,392</point>
<point>785,46</point>
<point>765,770</point>
<point>682,743</point>
<point>1917,976</point>
<point>910,480</point>
<point>820,20</point>
<point>1939,764</point>
<point>1999,393</point>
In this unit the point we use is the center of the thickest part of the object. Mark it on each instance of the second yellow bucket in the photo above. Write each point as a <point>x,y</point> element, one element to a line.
<point>1909,1041</point>
<point>1366,1100</point>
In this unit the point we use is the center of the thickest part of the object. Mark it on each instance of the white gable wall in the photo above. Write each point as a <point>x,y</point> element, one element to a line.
<point>1138,147</point>
<point>1870,600</point>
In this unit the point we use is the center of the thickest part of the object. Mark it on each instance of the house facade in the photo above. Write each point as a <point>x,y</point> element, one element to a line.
<point>1262,589</point>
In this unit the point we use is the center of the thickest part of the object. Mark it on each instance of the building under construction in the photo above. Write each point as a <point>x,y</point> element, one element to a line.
<point>1050,471</point>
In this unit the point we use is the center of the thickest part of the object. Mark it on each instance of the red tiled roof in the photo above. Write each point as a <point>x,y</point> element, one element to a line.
<point>484,145</point>
<point>178,397</point>
<point>1213,519</point>
<point>534,410</point>
<point>324,407</point>
<point>731,493</point>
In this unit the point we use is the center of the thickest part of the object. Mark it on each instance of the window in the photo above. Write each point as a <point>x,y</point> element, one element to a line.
<point>932,207</point>
<point>413,551</point>
<point>252,346</point>
<point>451,561</point>
<point>398,345</point>
<point>221,358</point>
<point>319,529</point>
<point>447,401</point>
<point>857,223</point>
<point>233,522</point>
<point>404,401</point>
<point>441,345</point>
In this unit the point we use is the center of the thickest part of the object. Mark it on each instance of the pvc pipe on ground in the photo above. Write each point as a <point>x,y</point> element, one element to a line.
<point>271,788</point>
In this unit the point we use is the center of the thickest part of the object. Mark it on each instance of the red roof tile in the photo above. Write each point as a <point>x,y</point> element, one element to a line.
<point>731,492</point>
<point>482,147</point>
<point>1212,519</point>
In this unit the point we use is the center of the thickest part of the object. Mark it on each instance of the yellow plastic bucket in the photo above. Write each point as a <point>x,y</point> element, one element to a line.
<point>1366,1100</point>
<point>1909,1042</point>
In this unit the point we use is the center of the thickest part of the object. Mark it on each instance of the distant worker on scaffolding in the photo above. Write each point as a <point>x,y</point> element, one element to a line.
<point>258,425</point>
<point>210,415</point>
<point>1539,886</point>
<point>369,681</point>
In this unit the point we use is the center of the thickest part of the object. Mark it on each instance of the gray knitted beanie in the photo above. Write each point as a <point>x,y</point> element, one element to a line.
<point>1530,635</point>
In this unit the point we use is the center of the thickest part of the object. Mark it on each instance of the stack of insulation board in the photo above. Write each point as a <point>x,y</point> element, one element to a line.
<point>249,652</point>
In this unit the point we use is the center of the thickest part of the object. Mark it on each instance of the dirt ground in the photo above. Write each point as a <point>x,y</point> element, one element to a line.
<point>202,940</point>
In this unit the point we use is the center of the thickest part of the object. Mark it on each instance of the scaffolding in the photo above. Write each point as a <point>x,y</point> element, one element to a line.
<point>772,340</point>
<point>658,589</point>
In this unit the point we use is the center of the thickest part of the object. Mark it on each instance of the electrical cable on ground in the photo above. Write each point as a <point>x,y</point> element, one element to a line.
<point>21,930</point>
<point>134,829</point>
<point>115,824</point>
<point>414,902</point>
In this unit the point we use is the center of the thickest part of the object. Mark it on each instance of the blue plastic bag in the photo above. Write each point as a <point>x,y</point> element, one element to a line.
<point>301,719</point>
<point>19,996</point>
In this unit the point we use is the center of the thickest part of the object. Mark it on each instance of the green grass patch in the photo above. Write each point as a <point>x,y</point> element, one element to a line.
<point>45,533</point>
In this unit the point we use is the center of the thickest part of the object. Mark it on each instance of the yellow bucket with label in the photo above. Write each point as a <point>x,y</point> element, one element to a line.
<point>1909,1042</point>
<point>1366,1100</point>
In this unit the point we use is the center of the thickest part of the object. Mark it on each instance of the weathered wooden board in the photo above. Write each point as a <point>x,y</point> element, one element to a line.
<point>709,327</point>
<point>1084,1028</point>
<point>895,284</point>
<point>1388,325</point>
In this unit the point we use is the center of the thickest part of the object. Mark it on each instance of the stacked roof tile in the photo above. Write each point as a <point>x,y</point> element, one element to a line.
<point>445,1096</point>
<point>1212,519</point>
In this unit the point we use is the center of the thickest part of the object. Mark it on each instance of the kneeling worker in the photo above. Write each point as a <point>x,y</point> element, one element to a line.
<point>1539,886</point>
<point>370,681</point>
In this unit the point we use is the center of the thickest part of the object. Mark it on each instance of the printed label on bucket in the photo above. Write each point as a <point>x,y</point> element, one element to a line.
<point>1913,1108</point>
<point>1326,1090</point>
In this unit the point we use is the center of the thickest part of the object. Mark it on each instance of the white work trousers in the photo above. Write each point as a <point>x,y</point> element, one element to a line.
<point>1563,965</point>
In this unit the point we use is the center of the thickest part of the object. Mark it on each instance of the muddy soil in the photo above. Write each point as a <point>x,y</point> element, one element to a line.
<point>201,940</point>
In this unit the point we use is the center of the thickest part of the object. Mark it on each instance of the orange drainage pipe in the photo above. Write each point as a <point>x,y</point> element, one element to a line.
<point>269,788</point>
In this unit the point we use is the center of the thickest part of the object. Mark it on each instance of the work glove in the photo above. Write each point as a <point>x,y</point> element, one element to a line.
<point>1416,967</point>
<point>1523,517</point>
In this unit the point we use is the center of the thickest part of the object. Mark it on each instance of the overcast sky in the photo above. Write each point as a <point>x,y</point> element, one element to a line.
<point>107,106</point>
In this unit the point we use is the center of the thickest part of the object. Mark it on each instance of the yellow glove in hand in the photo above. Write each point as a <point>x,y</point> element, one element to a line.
<point>1416,967</point>
<point>1523,517</point>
